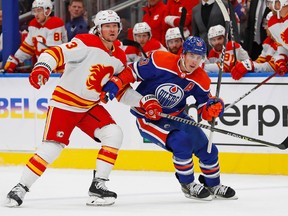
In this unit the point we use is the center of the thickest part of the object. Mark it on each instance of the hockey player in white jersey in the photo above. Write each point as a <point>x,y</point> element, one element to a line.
<point>278,26</point>
<point>43,31</point>
<point>91,60</point>
<point>216,36</point>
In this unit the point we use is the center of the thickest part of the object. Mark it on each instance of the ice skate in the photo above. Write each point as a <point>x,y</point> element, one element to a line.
<point>99,194</point>
<point>196,191</point>
<point>220,191</point>
<point>16,195</point>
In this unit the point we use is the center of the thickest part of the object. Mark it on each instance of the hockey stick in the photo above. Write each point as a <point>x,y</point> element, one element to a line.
<point>251,90</point>
<point>128,42</point>
<point>227,24</point>
<point>182,22</point>
<point>282,146</point>
<point>232,32</point>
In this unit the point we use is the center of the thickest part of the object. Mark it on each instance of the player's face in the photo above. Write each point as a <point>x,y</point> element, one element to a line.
<point>192,61</point>
<point>174,45</point>
<point>39,15</point>
<point>110,31</point>
<point>142,38</point>
<point>217,43</point>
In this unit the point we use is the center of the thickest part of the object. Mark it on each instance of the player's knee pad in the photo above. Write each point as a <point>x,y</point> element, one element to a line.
<point>110,135</point>
<point>180,144</point>
<point>49,151</point>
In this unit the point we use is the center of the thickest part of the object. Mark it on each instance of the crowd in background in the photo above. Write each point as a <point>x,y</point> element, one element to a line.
<point>248,31</point>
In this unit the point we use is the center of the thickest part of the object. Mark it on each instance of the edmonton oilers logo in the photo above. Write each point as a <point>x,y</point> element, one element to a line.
<point>169,94</point>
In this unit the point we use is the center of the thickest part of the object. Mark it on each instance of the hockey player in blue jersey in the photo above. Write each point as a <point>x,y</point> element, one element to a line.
<point>166,80</point>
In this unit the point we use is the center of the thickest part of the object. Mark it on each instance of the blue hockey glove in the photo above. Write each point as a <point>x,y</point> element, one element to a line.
<point>111,89</point>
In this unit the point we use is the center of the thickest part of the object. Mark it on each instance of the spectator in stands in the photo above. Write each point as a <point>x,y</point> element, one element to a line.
<point>207,14</point>
<point>174,41</point>
<point>77,23</point>
<point>216,35</point>
<point>155,13</point>
<point>255,34</point>
<point>143,35</point>
<point>44,31</point>
<point>174,14</point>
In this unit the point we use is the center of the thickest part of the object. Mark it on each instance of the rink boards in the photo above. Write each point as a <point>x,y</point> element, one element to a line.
<point>262,115</point>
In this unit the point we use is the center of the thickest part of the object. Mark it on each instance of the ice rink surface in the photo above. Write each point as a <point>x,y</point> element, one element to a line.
<point>63,192</point>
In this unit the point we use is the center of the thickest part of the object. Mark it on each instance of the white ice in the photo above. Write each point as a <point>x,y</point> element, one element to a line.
<point>63,192</point>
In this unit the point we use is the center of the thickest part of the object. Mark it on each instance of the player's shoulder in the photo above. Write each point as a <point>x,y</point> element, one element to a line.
<point>152,44</point>
<point>230,45</point>
<point>164,59</point>
<point>201,78</point>
<point>54,22</point>
<point>131,50</point>
<point>273,20</point>
<point>34,23</point>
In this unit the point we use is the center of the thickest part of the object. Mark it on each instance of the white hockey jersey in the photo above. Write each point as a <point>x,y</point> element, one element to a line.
<point>40,37</point>
<point>88,66</point>
<point>279,30</point>
<point>212,65</point>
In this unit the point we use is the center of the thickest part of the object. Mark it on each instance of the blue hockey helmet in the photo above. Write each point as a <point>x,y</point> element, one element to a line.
<point>194,44</point>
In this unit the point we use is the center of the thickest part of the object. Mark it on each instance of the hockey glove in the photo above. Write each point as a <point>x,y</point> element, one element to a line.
<point>39,76</point>
<point>241,68</point>
<point>213,108</point>
<point>11,64</point>
<point>152,107</point>
<point>281,67</point>
<point>111,89</point>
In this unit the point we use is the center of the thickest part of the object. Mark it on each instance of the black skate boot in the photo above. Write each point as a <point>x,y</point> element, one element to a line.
<point>219,191</point>
<point>195,191</point>
<point>99,194</point>
<point>16,195</point>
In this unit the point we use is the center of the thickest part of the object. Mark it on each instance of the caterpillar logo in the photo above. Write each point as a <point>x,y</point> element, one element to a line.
<point>99,76</point>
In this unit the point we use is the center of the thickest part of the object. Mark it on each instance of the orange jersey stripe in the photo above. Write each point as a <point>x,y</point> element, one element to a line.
<point>63,96</point>
<point>30,50</point>
<point>161,136</point>
<point>48,120</point>
<point>57,54</point>
<point>37,165</point>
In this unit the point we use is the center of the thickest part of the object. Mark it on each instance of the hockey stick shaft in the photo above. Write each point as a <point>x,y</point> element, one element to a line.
<point>182,22</point>
<point>232,32</point>
<point>251,90</point>
<point>227,24</point>
<point>128,42</point>
<point>282,146</point>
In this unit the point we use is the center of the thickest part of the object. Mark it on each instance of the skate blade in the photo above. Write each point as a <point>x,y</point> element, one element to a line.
<point>10,203</point>
<point>209,198</point>
<point>223,198</point>
<point>97,201</point>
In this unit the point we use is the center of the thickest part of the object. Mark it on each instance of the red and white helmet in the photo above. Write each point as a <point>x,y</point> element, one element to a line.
<point>45,4</point>
<point>172,33</point>
<point>282,4</point>
<point>104,17</point>
<point>142,27</point>
<point>215,31</point>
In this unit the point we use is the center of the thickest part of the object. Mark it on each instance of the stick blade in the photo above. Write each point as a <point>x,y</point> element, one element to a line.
<point>284,144</point>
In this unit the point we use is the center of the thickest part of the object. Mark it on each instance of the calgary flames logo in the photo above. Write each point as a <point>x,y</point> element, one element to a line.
<point>98,77</point>
<point>284,36</point>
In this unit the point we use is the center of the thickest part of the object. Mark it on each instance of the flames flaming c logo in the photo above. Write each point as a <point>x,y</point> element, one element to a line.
<point>98,77</point>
